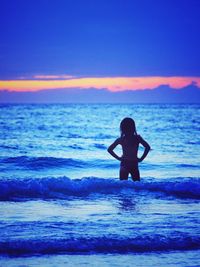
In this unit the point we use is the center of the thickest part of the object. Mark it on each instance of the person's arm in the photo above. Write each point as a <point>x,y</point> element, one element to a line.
<point>112,147</point>
<point>146,148</point>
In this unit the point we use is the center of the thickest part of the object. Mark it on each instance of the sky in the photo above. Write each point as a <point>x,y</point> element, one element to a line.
<point>114,44</point>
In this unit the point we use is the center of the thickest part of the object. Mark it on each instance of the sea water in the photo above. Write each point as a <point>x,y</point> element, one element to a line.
<point>62,203</point>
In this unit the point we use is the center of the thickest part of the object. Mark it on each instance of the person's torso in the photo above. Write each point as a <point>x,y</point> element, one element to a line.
<point>130,147</point>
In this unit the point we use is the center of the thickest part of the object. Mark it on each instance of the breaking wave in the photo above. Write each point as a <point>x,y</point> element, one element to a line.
<point>62,187</point>
<point>100,245</point>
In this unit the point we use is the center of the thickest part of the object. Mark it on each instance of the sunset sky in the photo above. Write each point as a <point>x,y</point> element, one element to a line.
<point>114,44</point>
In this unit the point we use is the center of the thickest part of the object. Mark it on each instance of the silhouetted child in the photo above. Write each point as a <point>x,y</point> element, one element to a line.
<point>129,141</point>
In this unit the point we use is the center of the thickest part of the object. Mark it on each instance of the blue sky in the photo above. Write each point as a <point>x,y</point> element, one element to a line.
<point>99,38</point>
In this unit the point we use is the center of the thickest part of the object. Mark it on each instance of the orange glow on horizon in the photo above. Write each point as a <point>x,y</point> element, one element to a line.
<point>113,84</point>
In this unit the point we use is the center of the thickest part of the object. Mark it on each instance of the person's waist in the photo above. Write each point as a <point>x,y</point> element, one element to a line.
<point>127,159</point>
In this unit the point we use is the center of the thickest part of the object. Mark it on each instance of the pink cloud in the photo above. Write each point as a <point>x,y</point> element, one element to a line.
<point>41,82</point>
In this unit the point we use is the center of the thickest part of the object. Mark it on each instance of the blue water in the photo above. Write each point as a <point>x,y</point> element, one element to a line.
<point>62,203</point>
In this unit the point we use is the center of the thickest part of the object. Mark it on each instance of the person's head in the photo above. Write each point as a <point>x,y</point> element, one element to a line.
<point>127,127</point>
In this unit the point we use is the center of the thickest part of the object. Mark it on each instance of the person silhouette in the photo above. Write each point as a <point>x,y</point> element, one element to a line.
<point>129,140</point>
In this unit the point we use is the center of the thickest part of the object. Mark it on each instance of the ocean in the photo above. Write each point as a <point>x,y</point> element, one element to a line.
<point>62,203</point>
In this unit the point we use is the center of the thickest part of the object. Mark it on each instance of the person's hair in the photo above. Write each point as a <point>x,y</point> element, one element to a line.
<point>127,127</point>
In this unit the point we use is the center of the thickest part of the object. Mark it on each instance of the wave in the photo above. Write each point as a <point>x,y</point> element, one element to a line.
<point>9,147</point>
<point>100,146</point>
<point>41,163</point>
<point>62,187</point>
<point>188,166</point>
<point>100,245</point>
<point>37,163</point>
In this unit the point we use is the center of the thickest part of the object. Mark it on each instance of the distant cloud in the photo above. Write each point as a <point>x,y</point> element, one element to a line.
<point>49,77</point>
<point>114,84</point>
